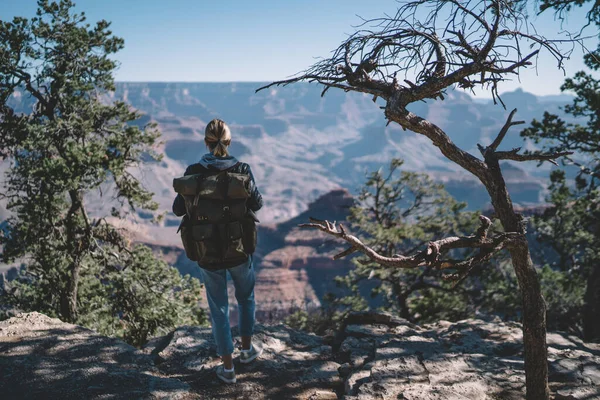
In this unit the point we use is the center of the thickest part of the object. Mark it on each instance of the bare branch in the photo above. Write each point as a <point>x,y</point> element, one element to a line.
<point>479,44</point>
<point>504,130</point>
<point>512,155</point>
<point>431,256</point>
<point>345,253</point>
<point>373,317</point>
<point>491,153</point>
<point>480,18</point>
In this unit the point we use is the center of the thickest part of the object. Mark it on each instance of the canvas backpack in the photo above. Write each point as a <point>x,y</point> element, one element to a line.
<point>219,231</point>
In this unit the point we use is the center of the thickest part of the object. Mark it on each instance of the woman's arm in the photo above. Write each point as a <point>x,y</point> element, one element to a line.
<point>255,202</point>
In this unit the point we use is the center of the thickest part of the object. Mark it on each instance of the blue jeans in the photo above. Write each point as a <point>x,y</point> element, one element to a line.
<point>216,293</point>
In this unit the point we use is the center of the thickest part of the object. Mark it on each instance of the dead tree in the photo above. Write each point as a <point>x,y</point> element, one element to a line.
<point>427,47</point>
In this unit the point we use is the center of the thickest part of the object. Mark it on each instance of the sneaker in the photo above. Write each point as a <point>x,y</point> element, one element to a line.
<point>227,377</point>
<point>248,356</point>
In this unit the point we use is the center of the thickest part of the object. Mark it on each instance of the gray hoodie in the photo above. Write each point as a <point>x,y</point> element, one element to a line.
<point>211,161</point>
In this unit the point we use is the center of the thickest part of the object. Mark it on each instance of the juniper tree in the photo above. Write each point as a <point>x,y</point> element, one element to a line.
<point>398,211</point>
<point>571,226</point>
<point>70,145</point>
<point>415,55</point>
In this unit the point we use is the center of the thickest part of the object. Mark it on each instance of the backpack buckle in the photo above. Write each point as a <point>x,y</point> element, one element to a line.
<point>226,213</point>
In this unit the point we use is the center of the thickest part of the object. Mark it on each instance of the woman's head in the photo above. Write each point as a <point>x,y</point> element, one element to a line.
<point>217,137</point>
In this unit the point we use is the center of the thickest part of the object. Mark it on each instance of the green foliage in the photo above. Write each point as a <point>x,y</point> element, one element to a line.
<point>319,321</point>
<point>146,297</point>
<point>569,232</point>
<point>139,298</point>
<point>399,213</point>
<point>563,292</point>
<point>501,295</point>
<point>562,7</point>
<point>79,267</point>
<point>570,227</point>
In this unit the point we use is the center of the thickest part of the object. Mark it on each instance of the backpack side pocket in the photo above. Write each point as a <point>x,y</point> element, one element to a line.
<point>189,245</point>
<point>249,234</point>
<point>234,247</point>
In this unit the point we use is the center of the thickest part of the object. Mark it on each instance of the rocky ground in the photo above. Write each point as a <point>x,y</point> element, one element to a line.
<point>388,358</point>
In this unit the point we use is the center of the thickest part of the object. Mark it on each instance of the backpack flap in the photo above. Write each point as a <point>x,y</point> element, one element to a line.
<point>211,187</point>
<point>239,186</point>
<point>207,187</point>
<point>225,185</point>
<point>186,185</point>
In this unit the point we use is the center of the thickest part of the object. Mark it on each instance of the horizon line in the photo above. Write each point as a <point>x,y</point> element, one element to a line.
<point>262,82</point>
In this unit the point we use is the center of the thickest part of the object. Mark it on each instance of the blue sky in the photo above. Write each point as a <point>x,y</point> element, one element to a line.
<point>262,40</point>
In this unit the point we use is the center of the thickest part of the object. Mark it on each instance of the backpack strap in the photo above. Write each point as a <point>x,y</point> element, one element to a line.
<point>210,167</point>
<point>224,233</point>
<point>226,212</point>
<point>233,166</point>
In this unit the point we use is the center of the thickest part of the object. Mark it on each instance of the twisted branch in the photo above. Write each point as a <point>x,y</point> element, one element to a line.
<point>432,255</point>
<point>478,43</point>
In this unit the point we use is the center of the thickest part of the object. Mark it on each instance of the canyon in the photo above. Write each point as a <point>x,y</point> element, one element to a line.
<point>309,155</point>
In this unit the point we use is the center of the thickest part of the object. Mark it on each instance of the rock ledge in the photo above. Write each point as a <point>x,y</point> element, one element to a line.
<point>42,357</point>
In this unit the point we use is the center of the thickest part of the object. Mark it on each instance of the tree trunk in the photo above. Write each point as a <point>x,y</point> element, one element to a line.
<point>401,298</point>
<point>534,306</point>
<point>64,306</point>
<point>69,297</point>
<point>534,325</point>
<point>591,307</point>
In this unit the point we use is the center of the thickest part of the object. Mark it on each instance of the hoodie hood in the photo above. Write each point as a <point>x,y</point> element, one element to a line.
<point>209,160</point>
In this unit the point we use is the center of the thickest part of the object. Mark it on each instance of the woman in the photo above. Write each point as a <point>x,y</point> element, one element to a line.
<point>217,139</point>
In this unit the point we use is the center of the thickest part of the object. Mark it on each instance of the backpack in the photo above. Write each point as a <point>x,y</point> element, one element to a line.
<point>219,231</point>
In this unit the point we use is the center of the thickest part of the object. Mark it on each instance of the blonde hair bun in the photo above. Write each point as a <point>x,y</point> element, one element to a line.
<point>217,137</point>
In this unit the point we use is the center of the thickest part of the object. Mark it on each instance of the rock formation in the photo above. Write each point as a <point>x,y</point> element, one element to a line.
<point>390,358</point>
<point>297,268</point>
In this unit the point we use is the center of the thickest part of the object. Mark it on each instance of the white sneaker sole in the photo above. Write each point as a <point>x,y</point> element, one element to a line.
<point>254,357</point>
<point>226,380</point>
